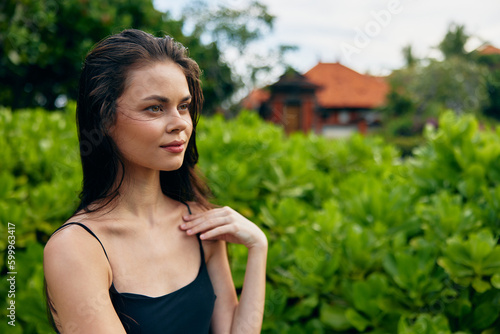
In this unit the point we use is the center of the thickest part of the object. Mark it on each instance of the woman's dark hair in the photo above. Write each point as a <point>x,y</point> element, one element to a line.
<point>103,80</point>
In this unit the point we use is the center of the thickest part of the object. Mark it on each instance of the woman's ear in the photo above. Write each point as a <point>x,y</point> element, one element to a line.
<point>109,130</point>
<point>109,126</point>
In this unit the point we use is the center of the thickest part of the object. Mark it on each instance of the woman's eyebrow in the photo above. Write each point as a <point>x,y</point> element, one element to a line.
<point>157,98</point>
<point>164,99</point>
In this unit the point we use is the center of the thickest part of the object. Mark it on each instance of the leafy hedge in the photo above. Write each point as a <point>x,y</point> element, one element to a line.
<point>361,241</point>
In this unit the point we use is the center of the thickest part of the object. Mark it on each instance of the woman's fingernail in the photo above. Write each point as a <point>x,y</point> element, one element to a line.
<point>183,225</point>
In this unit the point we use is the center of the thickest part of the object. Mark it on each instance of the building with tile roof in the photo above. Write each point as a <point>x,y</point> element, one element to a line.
<point>488,50</point>
<point>329,99</point>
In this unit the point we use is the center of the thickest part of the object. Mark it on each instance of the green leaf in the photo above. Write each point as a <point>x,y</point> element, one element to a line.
<point>367,294</point>
<point>460,307</point>
<point>491,264</point>
<point>480,286</point>
<point>302,309</point>
<point>485,314</point>
<point>495,281</point>
<point>454,269</point>
<point>356,319</point>
<point>481,244</point>
<point>334,317</point>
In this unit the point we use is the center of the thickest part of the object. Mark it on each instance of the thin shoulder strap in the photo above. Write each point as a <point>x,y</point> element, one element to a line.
<point>197,236</point>
<point>202,252</point>
<point>189,209</point>
<point>88,230</point>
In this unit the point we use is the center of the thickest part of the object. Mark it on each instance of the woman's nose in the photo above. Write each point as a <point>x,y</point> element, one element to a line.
<point>175,122</point>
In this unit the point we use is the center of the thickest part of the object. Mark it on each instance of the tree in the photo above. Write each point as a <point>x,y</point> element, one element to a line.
<point>492,62</point>
<point>423,88</point>
<point>453,44</point>
<point>222,28</point>
<point>455,84</point>
<point>43,44</point>
<point>227,26</point>
<point>235,30</point>
<point>410,59</point>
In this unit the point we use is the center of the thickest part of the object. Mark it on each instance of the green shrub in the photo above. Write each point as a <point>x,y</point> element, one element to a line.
<point>361,241</point>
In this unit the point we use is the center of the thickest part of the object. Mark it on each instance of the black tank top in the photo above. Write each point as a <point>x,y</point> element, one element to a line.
<point>187,310</point>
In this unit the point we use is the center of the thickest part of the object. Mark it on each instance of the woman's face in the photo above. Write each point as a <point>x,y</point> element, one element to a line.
<point>153,124</point>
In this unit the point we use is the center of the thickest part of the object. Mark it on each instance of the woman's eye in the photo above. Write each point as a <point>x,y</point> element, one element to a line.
<point>156,108</point>
<point>184,107</point>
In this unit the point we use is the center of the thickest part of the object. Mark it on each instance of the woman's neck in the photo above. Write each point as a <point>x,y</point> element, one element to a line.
<point>141,197</point>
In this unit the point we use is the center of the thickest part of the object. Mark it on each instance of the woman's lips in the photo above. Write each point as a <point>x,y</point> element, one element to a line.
<point>174,147</point>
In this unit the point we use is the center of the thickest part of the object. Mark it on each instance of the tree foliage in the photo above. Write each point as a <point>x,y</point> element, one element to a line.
<point>492,62</point>
<point>229,27</point>
<point>234,29</point>
<point>409,57</point>
<point>43,44</point>
<point>455,84</point>
<point>453,43</point>
<point>463,82</point>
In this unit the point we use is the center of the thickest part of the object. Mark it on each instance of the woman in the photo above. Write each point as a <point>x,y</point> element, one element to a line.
<point>145,252</point>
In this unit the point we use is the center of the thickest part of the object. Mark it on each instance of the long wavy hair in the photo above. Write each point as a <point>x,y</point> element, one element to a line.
<point>103,80</point>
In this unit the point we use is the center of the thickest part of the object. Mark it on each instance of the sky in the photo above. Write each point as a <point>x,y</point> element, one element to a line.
<point>366,35</point>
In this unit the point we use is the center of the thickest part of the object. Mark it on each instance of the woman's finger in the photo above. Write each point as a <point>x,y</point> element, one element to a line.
<point>190,221</point>
<point>204,225</point>
<point>218,212</point>
<point>217,232</point>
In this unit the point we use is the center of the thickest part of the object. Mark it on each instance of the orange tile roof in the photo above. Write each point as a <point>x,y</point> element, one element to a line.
<point>256,97</point>
<point>489,50</point>
<point>341,87</point>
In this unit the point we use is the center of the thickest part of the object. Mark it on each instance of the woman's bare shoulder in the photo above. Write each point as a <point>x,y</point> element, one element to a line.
<point>78,278</point>
<point>72,246</point>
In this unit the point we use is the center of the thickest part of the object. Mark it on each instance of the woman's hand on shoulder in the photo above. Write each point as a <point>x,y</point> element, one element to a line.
<point>224,224</point>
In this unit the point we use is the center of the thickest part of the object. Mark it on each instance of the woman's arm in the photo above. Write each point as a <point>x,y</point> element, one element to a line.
<point>225,224</point>
<point>78,278</point>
